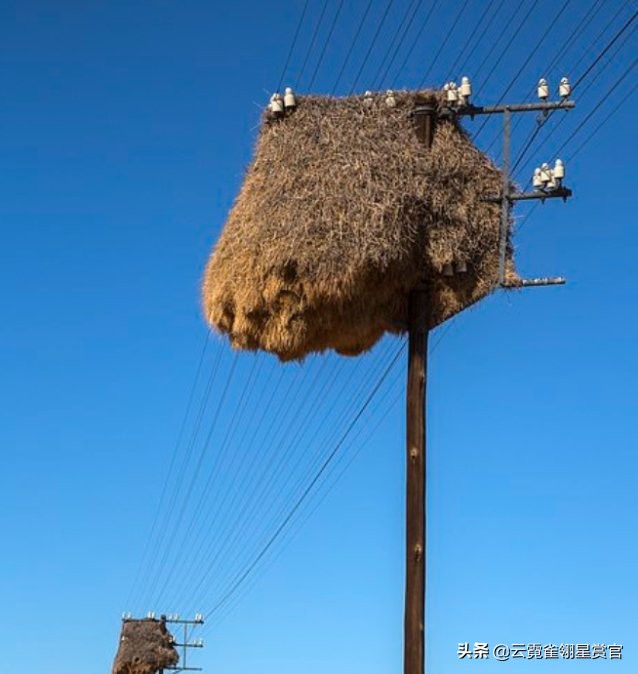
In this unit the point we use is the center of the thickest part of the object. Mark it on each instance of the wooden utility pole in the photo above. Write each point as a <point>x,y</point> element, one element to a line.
<point>418,322</point>
<point>425,117</point>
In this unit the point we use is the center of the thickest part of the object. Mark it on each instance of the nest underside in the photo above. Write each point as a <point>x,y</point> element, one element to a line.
<point>342,212</point>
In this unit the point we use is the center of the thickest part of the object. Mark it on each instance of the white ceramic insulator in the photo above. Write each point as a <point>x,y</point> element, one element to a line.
<point>546,173</point>
<point>276,104</point>
<point>289,98</point>
<point>564,88</point>
<point>543,89</point>
<point>466,87</point>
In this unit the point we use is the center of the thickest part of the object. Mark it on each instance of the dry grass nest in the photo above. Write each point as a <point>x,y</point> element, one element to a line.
<point>342,212</point>
<point>146,646</point>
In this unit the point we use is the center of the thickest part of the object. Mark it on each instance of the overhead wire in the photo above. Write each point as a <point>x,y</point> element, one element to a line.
<point>602,99</point>
<point>214,474</point>
<point>283,429</point>
<point>238,414</point>
<point>603,53</point>
<point>324,488</point>
<point>495,43</point>
<point>169,472</point>
<point>200,539</point>
<point>353,42</point>
<point>258,498</point>
<point>314,456</point>
<point>417,37</point>
<point>160,541</point>
<point>213,550</point>
<point>247,530</point>
<point>326,43</point>
<point>395,43</point>
<point>584,22</point>
<point>273,538</point>
<point>209,533</point>
<point>371,46</point>
<point>562,51</point>
<point>584,91</point>
<point>621,102</point>
<point>548,29</point>
<point>457,18</point>
<point>576,84</point>
<point>293,43</point>
<point>470,45</point>
<point>500,58</point>
<point>311,44</point>
<point>152,573</point>
<point>340,466</point>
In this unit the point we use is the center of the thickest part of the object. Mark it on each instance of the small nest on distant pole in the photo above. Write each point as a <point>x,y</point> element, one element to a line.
<point>342,212</point>
<point>146,646</point>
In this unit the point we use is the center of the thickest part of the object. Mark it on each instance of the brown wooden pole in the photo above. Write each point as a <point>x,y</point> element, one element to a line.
<point>418,322</point>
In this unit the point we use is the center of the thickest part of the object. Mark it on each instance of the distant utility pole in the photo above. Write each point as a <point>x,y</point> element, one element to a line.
<point>548,184</point>
<point>187,643</point>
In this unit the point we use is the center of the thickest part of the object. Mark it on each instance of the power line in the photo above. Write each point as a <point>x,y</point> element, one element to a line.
<point>180,477</point>
<point>506,48</point>
<point>208,526</point>
<point>171,466</point>
<point>293,44</point>
<point>561,52</point>
<point>181,473</point>
<point>374,39</point>
<point>555,128</point>
<point>238,414</point>
<point>320,442</point>
<point>580,27</point>
<point>312,43</point>
<point>621,102</point>
<point>233,588</point>
<point>246,514</point>
<point>616,37</point>
<point>603,98</point>
<point>321,493</point>
<point>496,42</point>
<point>468,44</point>
<point>395,43</point>
<point>247,492</point>
<point>579,81</point>
<point>325,45</point>
<point>529,57</point>
<point>178,486</point>
<point>351,47</point>
<point>445,41</point>
<point>422,27</point>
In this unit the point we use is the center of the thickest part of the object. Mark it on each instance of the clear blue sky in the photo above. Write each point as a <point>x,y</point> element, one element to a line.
<point>125,128</point>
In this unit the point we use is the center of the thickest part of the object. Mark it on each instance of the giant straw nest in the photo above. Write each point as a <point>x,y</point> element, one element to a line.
<point>342,212</point>
<point>146,646</point>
